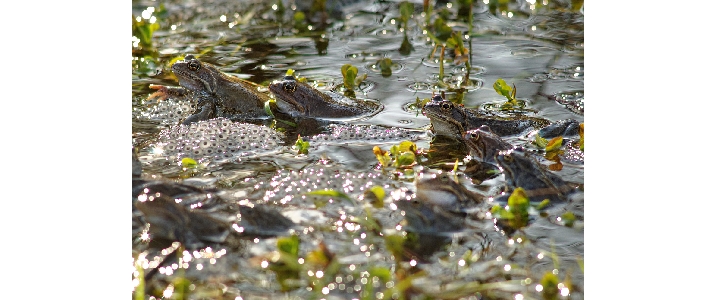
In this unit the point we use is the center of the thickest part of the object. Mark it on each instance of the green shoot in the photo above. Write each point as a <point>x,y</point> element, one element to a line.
<point>385,66</point>
<point>351,78</point>
<point>301,146</point>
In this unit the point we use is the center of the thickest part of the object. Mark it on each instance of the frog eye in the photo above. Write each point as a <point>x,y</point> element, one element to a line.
<point>446,105</point>
<point>508,158</point>
<point>193,65</point>
<point>474,135</point>
<point>290,86</point>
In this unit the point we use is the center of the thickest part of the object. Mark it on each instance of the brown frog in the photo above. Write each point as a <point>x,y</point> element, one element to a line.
<point>521,169</point>
<point>299,99</point>
<point>484,144</point>
<point>453,120</point>
<point>217,94</point>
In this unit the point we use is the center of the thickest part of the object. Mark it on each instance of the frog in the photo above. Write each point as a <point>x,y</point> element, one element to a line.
<point>447,193</point>
<point>439,209</point>
<point>484,144</point>
<point>522,169</point>
<point>565,128</point>
<point>173,221</point>
<point>299,99</point>
<point>453,120</point>
<point>216,93</point>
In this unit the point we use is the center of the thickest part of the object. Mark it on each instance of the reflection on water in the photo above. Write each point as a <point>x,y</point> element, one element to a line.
<point>535,45</point>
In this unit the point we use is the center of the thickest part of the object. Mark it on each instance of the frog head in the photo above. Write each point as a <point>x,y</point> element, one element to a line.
<point>195,75</point>
<point>297,98</point>
<point>447,118</point>
<point>484,143</point>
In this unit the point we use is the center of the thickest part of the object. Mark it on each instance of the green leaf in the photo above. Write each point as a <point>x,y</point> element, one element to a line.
<point>268,108</point>
<point>502,88</point>
<point>407,146</point>
<point>385,66</point>
<point>554,144</point>
<point>288,245</point>
<point>349,73</point>
<point>382,156</point>
<point>189,163</point>
<point>543,204</point>
<point>376,195</point>
<point>406,159</point>
<point>540,142</point>
<point>302,146</point>
<point>550,286</point>
<point>331,193</point>
<point>383,273</point>
<point>568,218</point>
<point>406,9</point>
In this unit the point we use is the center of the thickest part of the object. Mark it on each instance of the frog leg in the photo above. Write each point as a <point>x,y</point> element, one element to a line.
<point>163,92</point>
<point>206,110</point>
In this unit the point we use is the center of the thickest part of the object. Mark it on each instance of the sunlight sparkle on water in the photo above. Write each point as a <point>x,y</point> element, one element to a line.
<point>539,287</point>
<point>519,297</point>
<point>147,13</point>
<point>564,292</point>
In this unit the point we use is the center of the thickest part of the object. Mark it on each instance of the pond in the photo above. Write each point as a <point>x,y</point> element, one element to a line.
<point>243,209</point>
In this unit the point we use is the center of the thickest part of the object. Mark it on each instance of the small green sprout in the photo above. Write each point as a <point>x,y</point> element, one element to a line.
<point>301,146</point>
<point>568,218</point>
<point>385,66</point>
<point>143,30</point>
<point>351,78</point>
<point>502,88</point>
<point>517,214</point>
<point>375,195</point>
<point>286,265</point>
<point>549,282</point>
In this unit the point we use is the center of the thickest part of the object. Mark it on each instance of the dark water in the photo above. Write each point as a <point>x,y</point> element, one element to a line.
<point>539,49</point>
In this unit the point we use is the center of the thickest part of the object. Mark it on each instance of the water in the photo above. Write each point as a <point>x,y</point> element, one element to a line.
<point>539,50</point>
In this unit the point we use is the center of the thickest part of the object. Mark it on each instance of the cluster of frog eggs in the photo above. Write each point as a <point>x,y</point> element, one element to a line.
<point>362,134</point>
<point>286,185</point>
<point>168,112</point>
<point>216,140</point>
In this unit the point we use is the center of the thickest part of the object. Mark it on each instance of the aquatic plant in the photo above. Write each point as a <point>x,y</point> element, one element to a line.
<point>301,146</point>
<point>352,79</point>
<point>553,150</point>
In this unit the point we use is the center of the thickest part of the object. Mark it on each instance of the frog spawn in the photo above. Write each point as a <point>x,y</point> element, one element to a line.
<point>217,140</point>
<point>168,112</point>
<point>288,185</point>
<point>363,134</point>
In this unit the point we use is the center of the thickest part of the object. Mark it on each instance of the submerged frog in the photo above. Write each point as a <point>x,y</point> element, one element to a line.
<point>439,211</point>
<point>216,93</point>
<point>173,221</point>
<point>453,120</point>
<point>299,99</point>
<point>521,169</point>
<point>484,144</point>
